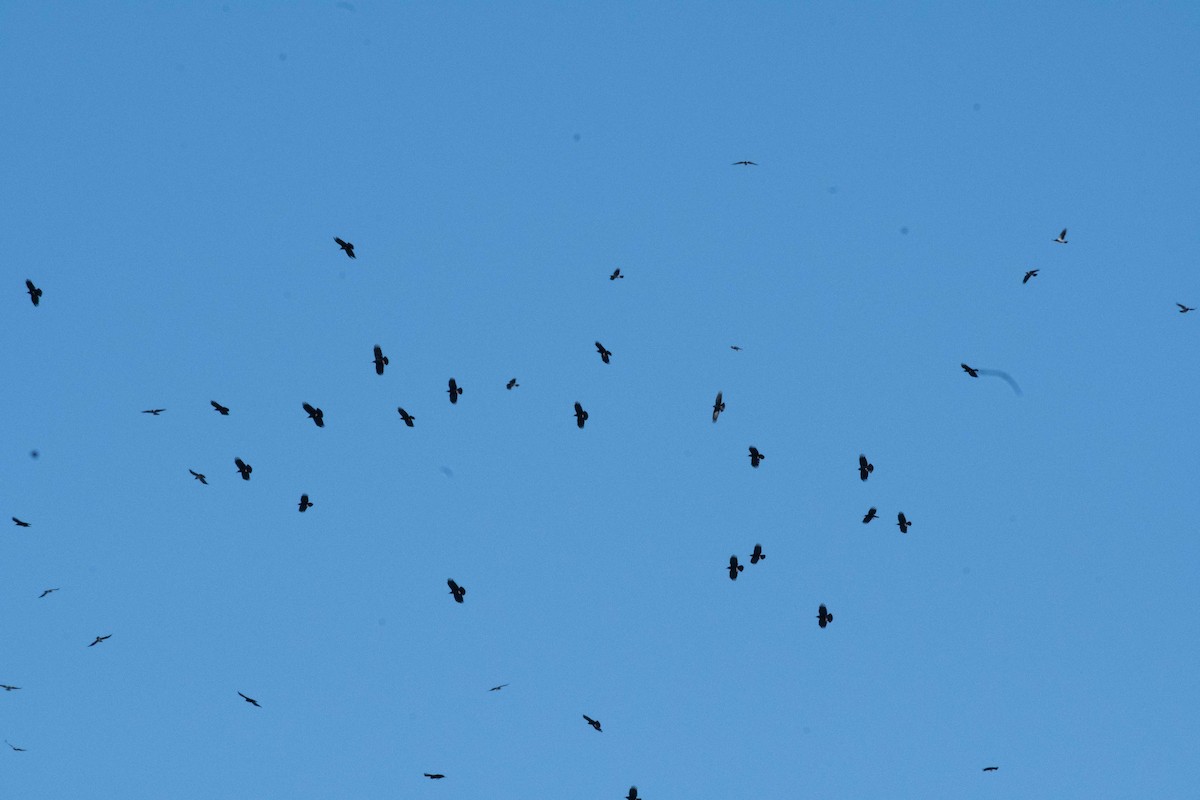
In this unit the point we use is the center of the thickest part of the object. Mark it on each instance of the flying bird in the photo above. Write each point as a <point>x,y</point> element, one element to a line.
<point>903,522</point>
<point>595,723</point>
<point>497,688</point>
<point>744,164</point>
<point>404,415</point>
<point>35,294</point>
<point>381,361</point>
<point>46,592</point>
<point>1030,274</point>
<point>347,246</point>
<point>198,476</point>
<point>243,468</point>
<point>755,456</point>
<point>616,274</point>
<point>633,795</point>
<point>20,523</point>
<point>604,354</point>
<point>315,414</point>
<point>758,555</point>
<point>823,616</point>
<point>456,590</point>
<point>455,390</point>
<point>974,373</point>
<point>220,409</point>
<point>1062,237</point>
<point>249,700</point>
<point>304,504</point>
<point>865,468</point>
<point>512,384</point>
<point>100,639</point>
<point>1184,309</point>
<point>870,515</point>
<point>990,769</point>
<point>580,415</point>
<point>14,747</point>
<point>436,776</point>
<point>8,688</point>
<point>735,347</point>
<point>734,568</point>
<point>718,407</point>
<point>154,412</point>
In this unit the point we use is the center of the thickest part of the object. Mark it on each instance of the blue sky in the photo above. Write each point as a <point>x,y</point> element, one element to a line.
<point>175,176</point>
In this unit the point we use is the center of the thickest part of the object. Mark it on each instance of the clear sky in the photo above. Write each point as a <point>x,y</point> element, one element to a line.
<point>174,175</point>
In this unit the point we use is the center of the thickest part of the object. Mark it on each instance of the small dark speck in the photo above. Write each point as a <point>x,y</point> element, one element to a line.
<point>34,454</point>
<point>576,137</point>
<point>904,230</point>
<point>283,56</point>
<point>346,6</point>
<point>449,473</point>
<point>976,107</point>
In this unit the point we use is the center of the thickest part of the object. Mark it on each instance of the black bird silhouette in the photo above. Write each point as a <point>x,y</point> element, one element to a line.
<point>35,294</point>
<point>734,568</point>
<point>249,700</point>
<point>198,477</point>
<point>870,515</point>
<point>744,164</point>
<point>8,688</point>
<point>154,411</point>
<point>1184,309</point>
<point>315,414</point>
<point>304,504</point>
<point>220,409</point>
<point>990,769</point>
<point>512,384</point>
<point>595,723</point>
<point>735,347</point>
<point>616,274</point>
<point>100,639</point>
<point>823,616</point>
<point>865,468</point>
<point>1062,237</point>
<point>243,468</point>
<point>974,373</point>
<point>755,456</point>
<point>718,407</point>
<point>456,590</point>
<point>497,688</point>
<point>381,360</point>
<point>347,246</point>
<point>903,522</point>
<point>20,523</point>
<point>48,591</point>
<point>436,776</point>
<point>14,747</point>
<point>580,415</point>
<point>404,415</point>
<point>455,390</point>
<point>758,555</point>
<point>1031,273</point>
<point>604,354</point>
<point>633,795</point>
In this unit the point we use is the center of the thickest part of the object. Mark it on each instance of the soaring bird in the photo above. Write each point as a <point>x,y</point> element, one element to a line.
<point>718,407</point>
<point>633,795</point>
<point>823,616</point>
<point>616,274</point>
<point>220,409</point>
<point>595,723</point>
<point>456,590</point>
<point>604,354</point>
<point>974,373</point>
<point>404,415</point>
<point>20,523</point>
<point>758,555</point>
<point>35,294</point>
<point>865,468</point>
<point>46,592</point>
<point>381,361</point>
<point>14,747</point>
<point>497,688</point>
<point>1062,237</point>
<point>1184,309</point>
<point>436,776</point>
<point>154,412</point>
<point>744,164</point>
<point>315,414</point>
<point>304,504</point>
<point>735,347</point>
<point>734,568</point>
<point>870,515</point>
<point>249,700</point>
<point>198,477</point>
<point>580,415</point>
<point>990,769</point>
<point>8,688</point>
<point>1031,273</point>
<point>903,522</point>
<point>755,456</point>
<point>100,639</point>
<point>243,468</point>
<point>512,384</point>
<point>347,246</point>
<point>455,390</point>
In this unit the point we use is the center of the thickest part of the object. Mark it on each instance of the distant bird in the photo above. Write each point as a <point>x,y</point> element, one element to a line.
<point>512,384</point>
<point>304,504</point>
<point>455,390</point>
<point>35,294</point>
<point>758,555</point>
<point>456,590</point>
<point>1062,237</point>
<point>580,415</point>
<point>46,592</point>
<point>154,412</point>
<point>744,164</point>
<point>404,415</point>
<point>198,476</point>
<point>381,360</point>
<point>315,414</point>
<point>990,769</point>
<point>865,468</point>
<point>616,274</point>
<point>8,688</point>
<point>220,409</point>
<point>1184,309</point>
<point>347,246</point>
<point>20,523</point>
<point>604,354</point>
<point>595,723</point>
<point>497,688</point>
<point>249,700</point>
<point>734,568</point>
<point>755,456</point>
<point>823,616</point>
<point>243,468</point>
<point>974,373</point>
<point>735,347</point>
<point>14,747</point>
<point>718,407</point>
<point>903,522</point>
<point>436,776</point>
<point>100,639</point>
<point>870,515</point>
<point>34,454</point>
<point>633,795</point>
<point>1031,273</point>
